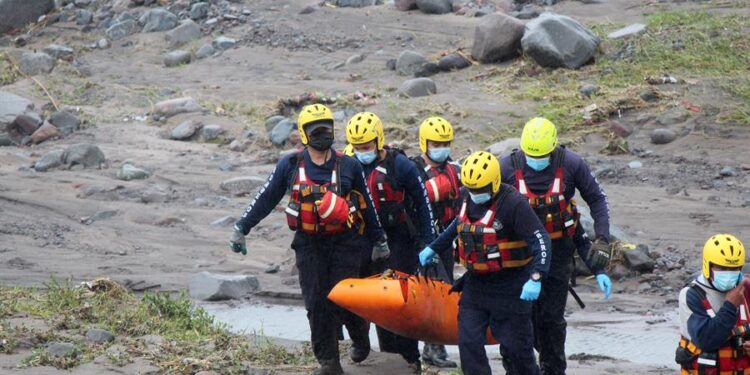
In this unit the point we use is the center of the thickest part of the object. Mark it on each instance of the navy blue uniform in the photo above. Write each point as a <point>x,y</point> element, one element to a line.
<point>493,300</point>
<point>549,310</point>
<point>322,261</point>
<point>403,241</point>
<point>706,332</point>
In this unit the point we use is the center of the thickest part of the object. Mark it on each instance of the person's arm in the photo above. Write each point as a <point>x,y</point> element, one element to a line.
<point>444,242</point>
<point>413,185</point>
<point>709,333</point>
<point>507,171</point>
<point>593,194</point>
<point>373,229</point>
<point>269,195</point>
<point>527,225</point>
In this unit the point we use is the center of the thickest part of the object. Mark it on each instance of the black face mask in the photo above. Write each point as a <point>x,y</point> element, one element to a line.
<point>320,141</point>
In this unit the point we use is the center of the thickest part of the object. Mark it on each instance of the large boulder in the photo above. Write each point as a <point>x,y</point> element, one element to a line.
<point>171,107</point>
<point>638,259</point>
<point>24,126</point>
<point>122,29</point>
<point>12,106</point>
<point>65,121</point>
<point>185,130</point>
<point>496,38</point>
<point>556,41</point>
<point>280,132</point>
<point>409,62</point>
<point>15,14</point>
<point>33,63</point>
<point>215,287</point>
<point>85,155</point>
<point>417,87</point>
<point>435,6</point>
<point>158,19</point>
<point>503,147</point>
<point>242,185</point>
<point>187,31</point>
<point>52,159</point>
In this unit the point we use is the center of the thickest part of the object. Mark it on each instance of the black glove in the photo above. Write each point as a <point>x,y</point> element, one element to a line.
<point>380,251</point>
<point>458,285</point>
<point>599,254</point>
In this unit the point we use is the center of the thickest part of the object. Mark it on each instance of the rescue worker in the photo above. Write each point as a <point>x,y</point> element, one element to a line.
<point>442,180</point>
<point>330,210</point>
<point>548,176</point>
<point>506,252</point>
<point>395,184</point>
<point>714,313</point>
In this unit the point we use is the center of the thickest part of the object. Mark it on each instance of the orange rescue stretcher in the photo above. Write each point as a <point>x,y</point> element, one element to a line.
<point>417,307</point>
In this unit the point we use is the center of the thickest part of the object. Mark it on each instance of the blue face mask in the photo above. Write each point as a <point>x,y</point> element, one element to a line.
<point>480,198</point>
<point>366,157</point>
<point>439,154</point>
<point>726,280</point>
<point>537,164</point>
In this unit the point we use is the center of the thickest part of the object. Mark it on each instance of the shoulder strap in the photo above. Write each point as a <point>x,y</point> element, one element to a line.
<point>704,300</point>
<point>515,159</point>
<point>559,156</point>
<point>295,160</point>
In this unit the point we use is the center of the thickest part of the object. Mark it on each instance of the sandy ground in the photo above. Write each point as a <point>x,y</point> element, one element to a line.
<point>164,243</point>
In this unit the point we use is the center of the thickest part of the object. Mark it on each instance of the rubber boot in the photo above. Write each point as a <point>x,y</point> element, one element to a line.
<point>436,355</point>
<point>359,354</point>
<point>329,367</point>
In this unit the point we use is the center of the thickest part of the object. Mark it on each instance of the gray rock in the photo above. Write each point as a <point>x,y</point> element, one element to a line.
<point>24,125</point>
<point>662,136</point>
<point>672,117</point>
<point>355,3</point>
<point>529,11</point>
<point>103,43</point>
<point>504,147</point>
<point>127,16</point>
<point>273,268</point>
<point>557,41</point>
<point>728,171</point>
<point>211,132</point>
<point>176,58</point>
<point>6,140</point>
<point>272,121</point>
<point>45,132</point>
<point>638,259</point>
<point>237,146</point>
<point>99,336</point>
<point>588,89</point>
<point>622,130</point>
<point>649,95</point>
<point>627,31</point>
<point>496,38</point>
<point>215,287</point>
<point>226,167</point>
<point>186,32</point>
<point>204,51</point>
<point>171,107</point>
<point>61,349</point>
<point>417,87</point>
<point>129,172</point>
<point>100,215</point>
<point>199,11</point>
<point>409,62</point>
<point>12,106</point>
<point>222,43</point>
<point>427,70</point>
<point>225,221</point>
<point>33,63</point>
<point>184,131</point>
<point>355,59</point>
<point>390,64</point>
<point>52,159</point>
<point>404,5</point>
<point>85,155</point>
<point>122,29</point>
<point>242,185</point>
<point>453,61</point>
<point>635,164</point>
<point>15,14</point>
<point>435,6</point>
<point>280,132</point>
<point>57,51</point>
<point>65,122</point>
<point>158,19</point>
<point>84,17</point>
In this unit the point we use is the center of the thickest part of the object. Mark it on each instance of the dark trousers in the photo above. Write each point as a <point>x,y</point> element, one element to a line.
<point>509,320</point>
<point>404,258</point>
<point>323,261</point>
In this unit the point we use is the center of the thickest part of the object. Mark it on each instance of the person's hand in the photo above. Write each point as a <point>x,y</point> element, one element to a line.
<point>531,290</point>
<point>736,296</point>
<point>599,255</point>
<point>605,284</point>
<point>427,256</point>
<point>237,241</point>
<point>380,251</point>
<point>746,348</point>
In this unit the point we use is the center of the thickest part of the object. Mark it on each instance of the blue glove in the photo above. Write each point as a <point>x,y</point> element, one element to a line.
<point>605,284</point>
<point>531,290</point>
<point>427,256</point>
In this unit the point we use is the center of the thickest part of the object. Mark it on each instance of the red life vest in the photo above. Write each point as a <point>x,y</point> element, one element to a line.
<point>559,216</point>
<point>443,189</point>
<point>302,210</point>
<point>730,359</point>
<point>484,246</point>
<point>387,194</point>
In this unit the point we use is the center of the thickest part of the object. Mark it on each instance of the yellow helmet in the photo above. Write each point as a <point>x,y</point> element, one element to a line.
<point>539,137</point>
<point>365,127</point>
<point>348,150</point>
<point>435,129</point>
<point>310,114</point>
<point>723,250</point>
<point>481,169</point>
